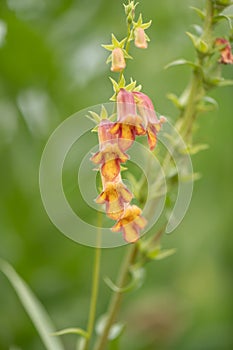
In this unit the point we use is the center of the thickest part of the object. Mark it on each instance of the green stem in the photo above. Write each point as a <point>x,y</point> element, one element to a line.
<point>197,90</point>
<point>115,301</point>
<point>95,285</point>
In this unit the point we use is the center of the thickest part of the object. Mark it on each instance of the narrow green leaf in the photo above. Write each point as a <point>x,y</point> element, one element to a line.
<point>181,62</point>
<point>223,17</point>
<point>175,100</point>
<point>162,254</point>
<point>33,307</point>
<point>77,331</point>
<point>115,331</point>
<point>198,29</point>
<point>199,12</point>
<point>137,278</point>
<point>194,149</point>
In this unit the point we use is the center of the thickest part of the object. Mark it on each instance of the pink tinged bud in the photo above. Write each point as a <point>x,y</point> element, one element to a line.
<point>128,124</point>
<point>226,54</point>
<point>126,106</point>
<point>140,38</point>
<point>146,108</point>
<point>118,60</point>
<point>153,124</point>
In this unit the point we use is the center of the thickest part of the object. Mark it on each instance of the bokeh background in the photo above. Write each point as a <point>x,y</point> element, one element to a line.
<point>51,66</point>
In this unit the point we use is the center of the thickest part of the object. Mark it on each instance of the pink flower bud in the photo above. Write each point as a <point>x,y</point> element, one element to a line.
<point>118,60</point>
<point>226,54</point>
<point>128,124</point>
<point>152,123</point>
<point>140,38</point>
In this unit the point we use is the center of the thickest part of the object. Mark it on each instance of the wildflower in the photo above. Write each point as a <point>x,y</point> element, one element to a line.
<point>140,38</point>
<point>128,124</point>
<point>118,60</point>
<point>116,196</point>
<point>130,224</point>
<point>110,155</point>
<point>152,123</point>
<point>226,54</point>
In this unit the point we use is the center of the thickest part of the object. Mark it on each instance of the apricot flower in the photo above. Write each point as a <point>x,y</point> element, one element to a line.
<point>116,196</point>
<point>110,155</point>
<point>130,224</point>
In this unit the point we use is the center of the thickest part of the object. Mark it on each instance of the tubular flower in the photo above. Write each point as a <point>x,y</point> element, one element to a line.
<point>116,196</point>
<point>128,124</point>
<point>118,60</point>
<point>140,38</point>
<point>152,123</point>
<point>130,224</point>
<point>110,155</point>
<point>226,54</point>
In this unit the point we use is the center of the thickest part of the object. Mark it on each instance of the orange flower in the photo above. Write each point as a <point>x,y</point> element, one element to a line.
<point>153,124</point>
<point>116,196</point>
<point>110,155</point>
<point>226,54</point>
<point>128,124</point>
<point>118,60</point>
<point>140,38</point>
<point>130,224</point>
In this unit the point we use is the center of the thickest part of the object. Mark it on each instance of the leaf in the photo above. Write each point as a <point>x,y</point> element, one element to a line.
<point>137,278</point>
<point>175,100</point>
<point>78,331</point>
<point>220,82</point>
<point>198,29</point>
<point>223,17</point>
<point>33,307</point>
<point>115,331</point>
<point>194,149</point>
<point>199,12</point>
<point>161,254</point>
<point>181,62</point>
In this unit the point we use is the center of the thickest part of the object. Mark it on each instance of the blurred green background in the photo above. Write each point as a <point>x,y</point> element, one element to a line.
<point>52,65</point>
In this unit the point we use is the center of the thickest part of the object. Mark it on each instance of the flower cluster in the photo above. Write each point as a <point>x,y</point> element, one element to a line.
<point>135,116</point>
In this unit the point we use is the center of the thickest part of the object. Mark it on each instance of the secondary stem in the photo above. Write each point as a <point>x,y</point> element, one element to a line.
<point>95,285</point>
<point>115,302</point>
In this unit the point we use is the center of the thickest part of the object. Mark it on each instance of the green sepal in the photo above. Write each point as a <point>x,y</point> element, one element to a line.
<point>198,43</point>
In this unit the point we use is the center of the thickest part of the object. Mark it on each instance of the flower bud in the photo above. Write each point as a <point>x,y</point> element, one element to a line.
<point>226,54</point>
<point>118,60</point>
<point>140,38</point>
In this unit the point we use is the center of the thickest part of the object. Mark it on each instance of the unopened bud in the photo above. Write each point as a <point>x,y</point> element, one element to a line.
<point>118,60</point>
<point>140,38</point>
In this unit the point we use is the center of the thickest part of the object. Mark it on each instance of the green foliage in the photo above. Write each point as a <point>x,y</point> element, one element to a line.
<point>33,307</point>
